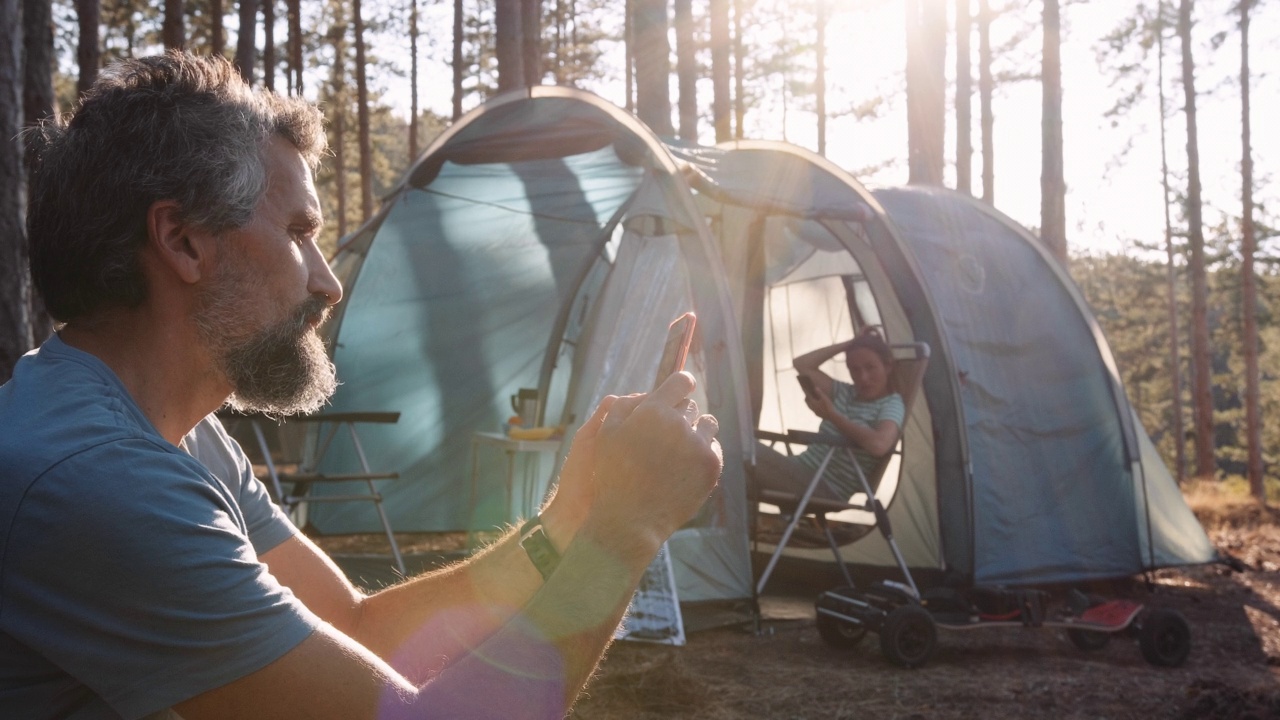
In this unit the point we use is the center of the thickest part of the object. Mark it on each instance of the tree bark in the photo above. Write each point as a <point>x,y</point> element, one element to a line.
<point>15,289</point>
<point>653,65</point>
<point>362,114</point>
<point>926,90</point>
<point>246,49</point>
<point>531,41</point>
<point>1175,342</point>
<point>739,72</point>
<point>459,70</point>
<point>820,75</point>
<point>413,80</point>
<point>686,70</point>
<point>38,102</point>
<point>508,44</point>
<point>629,54</point>
<point>1248,281</point>
<point>88,51</point>
<point>986,88</point>
<point>341,108</point>
<point>217,35</point>
<point>295,46</point>
<point>1053,186</point>
<point>269,44</point>
<point>720,69</point>
<point>964,99</point>
<point>173,32</point>
<point>1201,392</point>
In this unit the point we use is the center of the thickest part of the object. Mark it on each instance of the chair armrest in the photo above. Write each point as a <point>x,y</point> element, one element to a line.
<point>804,437</point>
<point>349,417</point>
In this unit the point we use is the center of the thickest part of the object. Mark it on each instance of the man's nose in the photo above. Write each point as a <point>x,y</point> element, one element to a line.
<point>320,278</point>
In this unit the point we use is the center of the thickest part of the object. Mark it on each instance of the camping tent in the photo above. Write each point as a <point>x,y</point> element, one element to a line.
<point>546,238</point>
<point>545,241</point>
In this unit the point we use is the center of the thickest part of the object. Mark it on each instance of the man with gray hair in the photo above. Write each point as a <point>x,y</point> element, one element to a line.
<point>143,570</point>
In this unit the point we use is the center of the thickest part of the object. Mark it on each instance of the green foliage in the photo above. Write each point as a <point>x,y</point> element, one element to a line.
<point>1128,295</point>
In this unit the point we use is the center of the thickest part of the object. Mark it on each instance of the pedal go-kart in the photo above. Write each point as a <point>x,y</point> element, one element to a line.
<point>907,622</point>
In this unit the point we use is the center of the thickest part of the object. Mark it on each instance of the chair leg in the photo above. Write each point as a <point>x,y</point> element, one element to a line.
<point>835,549</point>
<point>377,500</point>
<point>791,526</point>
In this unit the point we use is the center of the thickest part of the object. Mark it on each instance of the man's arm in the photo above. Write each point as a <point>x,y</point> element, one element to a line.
<point>654,467</point>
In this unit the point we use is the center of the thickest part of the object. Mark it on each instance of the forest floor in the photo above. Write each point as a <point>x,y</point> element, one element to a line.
<point>786,671</point>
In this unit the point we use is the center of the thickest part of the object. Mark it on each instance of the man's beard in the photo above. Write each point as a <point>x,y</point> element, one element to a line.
<point>281,369</point>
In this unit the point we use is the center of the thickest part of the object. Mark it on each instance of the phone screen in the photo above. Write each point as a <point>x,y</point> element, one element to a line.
<point>676,349</point>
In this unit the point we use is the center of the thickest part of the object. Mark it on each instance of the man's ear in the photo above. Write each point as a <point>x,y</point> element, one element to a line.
<point>189,253</point>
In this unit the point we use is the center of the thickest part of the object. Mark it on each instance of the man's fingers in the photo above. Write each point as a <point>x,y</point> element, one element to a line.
<point>592,425</point>
<point>674,389</point>
<point>621,408</point>
<point>707,427</point>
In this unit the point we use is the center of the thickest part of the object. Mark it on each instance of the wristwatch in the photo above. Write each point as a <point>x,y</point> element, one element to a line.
<point>534,540</point>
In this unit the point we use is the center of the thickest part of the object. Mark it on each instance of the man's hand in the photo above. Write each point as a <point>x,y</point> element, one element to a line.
<point>657,460</point>
<point>575,492</point>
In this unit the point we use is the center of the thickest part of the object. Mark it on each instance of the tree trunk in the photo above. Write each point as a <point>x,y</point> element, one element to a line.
<point>1248,282</point>
<point>986,87</point>
<point>38,103</point>
<point>15,289</point>
<point>362,114</point>
<point>509,44</point>
<point>1053,186</point>
<point>295,46</point>
<point>341,108</point>
<point>269,44</point>
<point>1175,342</point>
<point>926,90</point>
<point>531,41</point>
<point>964,99</point>
<point>820,75</point>
<point>720,70</point>
<point>217,35</point>
<point>687,69</point>
<point>413,80</point>
<point>1201,393</point>
<point>459,70</point>
<point>246,50</point>
<point>739,72</point>
<point>653,65</point>
<point>88,51</point>
<point>172,31</point>
<point>629,54</point>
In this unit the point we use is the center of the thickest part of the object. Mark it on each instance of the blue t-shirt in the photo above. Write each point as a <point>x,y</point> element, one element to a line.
<point>129,572</point>
<point>840,475</point>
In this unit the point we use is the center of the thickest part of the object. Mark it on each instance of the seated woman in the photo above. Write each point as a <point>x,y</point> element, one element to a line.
<point>869,412</point>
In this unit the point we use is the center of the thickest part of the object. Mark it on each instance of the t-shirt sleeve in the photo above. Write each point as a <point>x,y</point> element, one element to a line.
<point>892,408</point>
<point>267,525</point>
<point>131,568</point>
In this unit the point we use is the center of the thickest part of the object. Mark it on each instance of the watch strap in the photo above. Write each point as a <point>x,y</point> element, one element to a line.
<point>536,544</point>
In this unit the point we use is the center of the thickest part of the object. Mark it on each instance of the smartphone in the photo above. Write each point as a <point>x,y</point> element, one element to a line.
<point>676,349</point>
<point>806,384</point>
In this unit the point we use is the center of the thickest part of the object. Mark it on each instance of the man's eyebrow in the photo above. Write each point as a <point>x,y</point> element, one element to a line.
<point>310,218</point>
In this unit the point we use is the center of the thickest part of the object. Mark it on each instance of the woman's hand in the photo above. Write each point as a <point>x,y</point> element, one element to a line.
<point>820,403</point>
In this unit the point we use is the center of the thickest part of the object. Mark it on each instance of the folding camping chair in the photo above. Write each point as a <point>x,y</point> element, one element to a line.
<point>291,489</point>
<point>910,361</point>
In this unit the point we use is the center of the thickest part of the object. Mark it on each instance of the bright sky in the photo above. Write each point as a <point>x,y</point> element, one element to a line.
<point>1112,198</point>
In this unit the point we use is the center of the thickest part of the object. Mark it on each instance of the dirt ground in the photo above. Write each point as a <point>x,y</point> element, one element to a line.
<point>785,670</point>
<point>1233,672</point>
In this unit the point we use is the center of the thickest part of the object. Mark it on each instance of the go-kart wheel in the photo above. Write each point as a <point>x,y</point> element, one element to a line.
<point>1088,640</point>
<point>908,636</point>
<point>838,633</point>
<point>1165,637</point>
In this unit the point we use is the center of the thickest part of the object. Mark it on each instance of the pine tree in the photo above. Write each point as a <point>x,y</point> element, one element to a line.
<point>1053,186</point>
<point>1248,280</point>
<point>15,289</point>
<point>964,99</point>
<point>926,29</point>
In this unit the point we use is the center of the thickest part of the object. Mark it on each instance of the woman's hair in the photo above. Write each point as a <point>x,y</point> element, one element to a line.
<point>170,127</point>
<point>871,339</point>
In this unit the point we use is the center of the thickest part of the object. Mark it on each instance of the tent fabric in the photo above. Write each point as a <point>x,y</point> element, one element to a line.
<point>543,242</point>
<point>1054,469</point>
<point>547,238</point>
